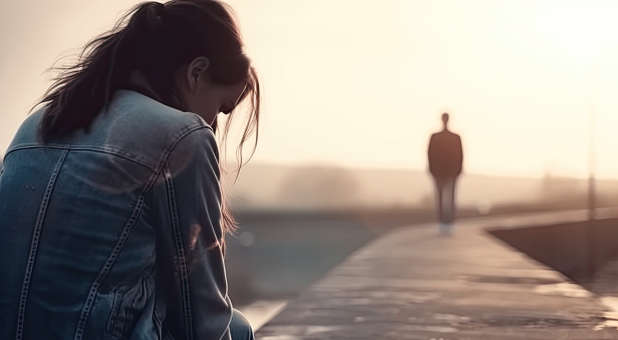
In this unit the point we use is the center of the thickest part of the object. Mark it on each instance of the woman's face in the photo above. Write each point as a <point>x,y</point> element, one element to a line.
<point>204,97</point>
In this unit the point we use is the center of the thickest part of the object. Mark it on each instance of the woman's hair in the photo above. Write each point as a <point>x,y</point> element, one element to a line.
<point>155,39</point>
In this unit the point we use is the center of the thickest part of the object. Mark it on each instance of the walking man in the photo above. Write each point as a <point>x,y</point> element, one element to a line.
<point>445,164</point>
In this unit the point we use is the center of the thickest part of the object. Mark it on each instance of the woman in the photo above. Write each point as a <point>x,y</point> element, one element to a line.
<point>112,220</point>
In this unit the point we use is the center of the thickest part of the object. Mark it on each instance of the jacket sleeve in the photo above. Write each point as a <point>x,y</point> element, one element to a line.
<point>189,252</point>
<point>459,155</point>
<point>430,154</point>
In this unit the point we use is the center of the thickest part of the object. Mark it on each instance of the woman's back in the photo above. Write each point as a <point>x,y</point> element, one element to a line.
<point>100,230</point>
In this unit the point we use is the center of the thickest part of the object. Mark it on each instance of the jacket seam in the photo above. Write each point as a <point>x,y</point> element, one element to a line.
<point>180,254</point>
<point>34,245</point>
<point>116,152</point>
<point>91,298</point>
<point>111,259</point>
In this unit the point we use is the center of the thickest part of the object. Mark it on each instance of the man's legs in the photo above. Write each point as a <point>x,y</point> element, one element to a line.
<point>441,207</point>
<point>445,197</point>
<point>452,208</point>
<point>440,199</point>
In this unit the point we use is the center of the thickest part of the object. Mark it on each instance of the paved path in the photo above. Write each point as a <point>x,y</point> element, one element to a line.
<point>415,284</point>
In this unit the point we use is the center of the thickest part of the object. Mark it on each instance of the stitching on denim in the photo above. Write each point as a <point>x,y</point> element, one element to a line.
<point>180,254</point>
<point>50,145</point>
<point>21,146</point>
<point>34,245</point>
<point>116,152</point>
<point>79,331</point>
<point>86,308</point>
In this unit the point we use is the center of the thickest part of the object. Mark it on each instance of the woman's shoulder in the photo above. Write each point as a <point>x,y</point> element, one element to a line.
<point>135,115</point>
<point>27,132</point>
<point>133,123</point>
<point>146,111</point>
<point>140,124</point>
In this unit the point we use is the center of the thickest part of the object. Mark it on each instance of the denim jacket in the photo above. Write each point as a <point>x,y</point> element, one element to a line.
<point>114,233</point>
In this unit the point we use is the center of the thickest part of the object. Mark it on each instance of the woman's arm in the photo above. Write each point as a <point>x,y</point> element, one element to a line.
<point>190,239</point>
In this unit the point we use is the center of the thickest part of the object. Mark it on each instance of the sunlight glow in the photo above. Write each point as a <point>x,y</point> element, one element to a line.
<point>359,83</point>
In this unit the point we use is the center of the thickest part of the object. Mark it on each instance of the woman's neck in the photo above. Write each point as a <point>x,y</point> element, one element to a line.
<point>138,81</point>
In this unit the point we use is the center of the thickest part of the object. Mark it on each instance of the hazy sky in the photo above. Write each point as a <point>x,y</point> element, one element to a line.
<point>362,83</point>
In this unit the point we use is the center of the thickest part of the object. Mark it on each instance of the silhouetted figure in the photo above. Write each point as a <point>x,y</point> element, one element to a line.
<point>445,162</point>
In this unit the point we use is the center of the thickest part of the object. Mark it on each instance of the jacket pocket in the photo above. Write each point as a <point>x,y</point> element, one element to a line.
<point>128,304</point>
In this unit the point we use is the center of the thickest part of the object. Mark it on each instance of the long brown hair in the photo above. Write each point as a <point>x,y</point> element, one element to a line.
<point>155,39</point>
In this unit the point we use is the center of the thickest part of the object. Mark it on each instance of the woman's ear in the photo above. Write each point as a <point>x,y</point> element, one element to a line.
<point>195,71</point>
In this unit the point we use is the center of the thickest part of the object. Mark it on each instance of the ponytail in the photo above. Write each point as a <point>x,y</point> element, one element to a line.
<point>81,91</point>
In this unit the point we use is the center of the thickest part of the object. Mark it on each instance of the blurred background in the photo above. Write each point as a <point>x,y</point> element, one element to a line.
<point>352,91</point>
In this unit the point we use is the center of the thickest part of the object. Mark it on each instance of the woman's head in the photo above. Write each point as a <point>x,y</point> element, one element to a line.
<point>202,95</point>
<point>192,53</point>
<point>189,52</point>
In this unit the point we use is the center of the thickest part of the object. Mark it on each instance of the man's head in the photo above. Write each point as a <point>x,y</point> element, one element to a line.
<point>445,119</point>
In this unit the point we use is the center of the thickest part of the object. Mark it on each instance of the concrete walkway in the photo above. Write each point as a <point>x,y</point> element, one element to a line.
<point>416,284</point>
